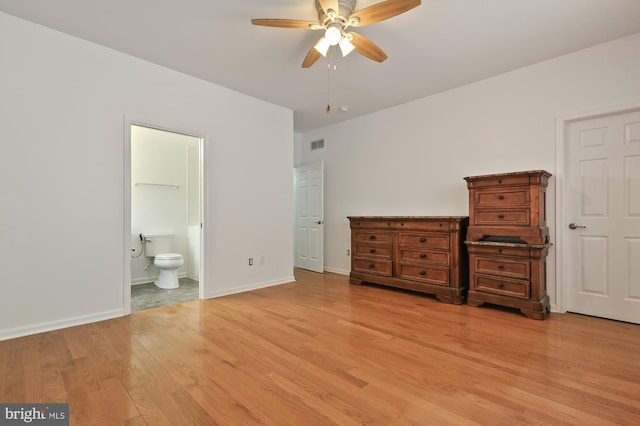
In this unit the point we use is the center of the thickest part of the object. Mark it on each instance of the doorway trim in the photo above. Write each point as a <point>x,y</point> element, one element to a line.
<point>129,121</point>
<point>562,122</point>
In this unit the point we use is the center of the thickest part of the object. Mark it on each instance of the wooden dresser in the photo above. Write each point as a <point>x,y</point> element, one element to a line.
<point>420,253</point>
<point>508,241</point>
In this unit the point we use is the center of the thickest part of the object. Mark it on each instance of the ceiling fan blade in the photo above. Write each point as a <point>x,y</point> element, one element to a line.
<point>283,23</point>
<point>367,48</point>
<point>329,4</point>
<point>381,11</point>
<point>311,58</point>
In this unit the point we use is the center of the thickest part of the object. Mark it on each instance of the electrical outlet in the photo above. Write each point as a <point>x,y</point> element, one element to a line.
<point>348,252</point>
<point>251,261</point>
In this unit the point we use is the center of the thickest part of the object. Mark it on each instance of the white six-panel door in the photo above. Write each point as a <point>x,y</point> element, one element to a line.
<point>603,217</point>
<point>309,244</point>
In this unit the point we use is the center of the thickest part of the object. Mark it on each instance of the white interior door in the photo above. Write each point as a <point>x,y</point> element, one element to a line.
<point>602,222</point>
<point>309,244</point>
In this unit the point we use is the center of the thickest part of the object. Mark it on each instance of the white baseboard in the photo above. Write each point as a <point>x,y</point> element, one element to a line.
<point>337,271</point>
<point>56,325</point>
<point>142,280</point>
<point>256,286</point>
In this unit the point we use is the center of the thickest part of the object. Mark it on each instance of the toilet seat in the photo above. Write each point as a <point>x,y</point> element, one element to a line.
<point>168,256</point>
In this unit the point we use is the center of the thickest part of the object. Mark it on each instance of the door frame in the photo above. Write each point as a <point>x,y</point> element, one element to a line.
<point>561,232</point>
<point>127,123</point>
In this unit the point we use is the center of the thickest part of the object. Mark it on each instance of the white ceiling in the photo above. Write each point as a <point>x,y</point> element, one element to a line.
<point>439,45</point>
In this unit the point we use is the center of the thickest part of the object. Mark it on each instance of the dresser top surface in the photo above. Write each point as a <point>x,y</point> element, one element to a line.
<point>407,217</point>
<point>525,173</point>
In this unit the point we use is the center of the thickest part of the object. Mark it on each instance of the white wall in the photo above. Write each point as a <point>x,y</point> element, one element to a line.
<point>411,159</point>
<point>63,107</point>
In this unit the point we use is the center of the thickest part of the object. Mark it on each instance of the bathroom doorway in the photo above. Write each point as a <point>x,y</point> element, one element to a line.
<point>166,194</point>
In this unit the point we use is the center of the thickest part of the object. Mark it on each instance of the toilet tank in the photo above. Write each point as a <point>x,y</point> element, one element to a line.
<point>157,243</point>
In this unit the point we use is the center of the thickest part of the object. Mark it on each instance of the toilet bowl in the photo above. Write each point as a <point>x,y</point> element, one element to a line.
<point>161,248</point>
<point>168,264</point>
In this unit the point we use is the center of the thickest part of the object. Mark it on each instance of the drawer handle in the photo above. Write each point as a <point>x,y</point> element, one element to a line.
<point>500,216</point>
<point>372,250</point>
<point>500,266</point>
<point>500,285</point>
<point>499,250</point>
<point>422,273</point>
<point>500,197</point>
<point>500,181</point>
<point>423,256</point>
<point>423,239</point>
<point>372,265</point>
<point>372,237</point>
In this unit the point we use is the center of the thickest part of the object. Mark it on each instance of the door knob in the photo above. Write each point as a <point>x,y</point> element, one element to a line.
<point>574,226</point>
<point>319,222</point>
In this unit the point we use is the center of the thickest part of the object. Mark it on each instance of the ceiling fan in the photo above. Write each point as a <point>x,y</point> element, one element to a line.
<point>335,17</point>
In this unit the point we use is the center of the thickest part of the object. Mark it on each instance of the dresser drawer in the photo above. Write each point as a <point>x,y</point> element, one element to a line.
<point>502,198</point>
<point>436,257</point>
<point>429,275</point>
<point>425,226</point>
<point>373,236</point>
<point>433,240</point>
<point>503,286</point>
<point>373,224</point>
<point>503,267</point>
<point>378,267</point>
<point>519,217</point>
<point>373,251</point>
<point>502,250</point>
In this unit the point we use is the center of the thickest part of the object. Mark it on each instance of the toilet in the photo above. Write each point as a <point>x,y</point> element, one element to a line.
<point>158,246</point>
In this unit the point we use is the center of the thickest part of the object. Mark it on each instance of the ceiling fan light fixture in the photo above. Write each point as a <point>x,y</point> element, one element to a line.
<point>335,17</point>
<point>333,35</point>
<point>322,46</point>
<point>346,46</point>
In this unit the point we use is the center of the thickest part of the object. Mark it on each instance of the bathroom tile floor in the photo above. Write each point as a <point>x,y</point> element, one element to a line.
<point>147,296</point>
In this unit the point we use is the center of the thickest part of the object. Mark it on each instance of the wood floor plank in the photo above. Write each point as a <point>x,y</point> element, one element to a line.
<point>101,412</point>
<point>120,400</point>
<point>150,413</point>
<point>221,406</point>
<point>320,352</point>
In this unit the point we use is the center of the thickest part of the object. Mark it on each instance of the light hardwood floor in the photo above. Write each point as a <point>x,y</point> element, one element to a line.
<point>323,352</point>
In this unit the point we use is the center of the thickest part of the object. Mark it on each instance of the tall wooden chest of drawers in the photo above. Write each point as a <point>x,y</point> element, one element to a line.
<point>508,241</point>
<point>420,253</point>
<point>509,205</point>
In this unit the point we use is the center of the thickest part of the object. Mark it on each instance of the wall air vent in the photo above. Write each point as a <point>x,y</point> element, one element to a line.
<point>319,144</point>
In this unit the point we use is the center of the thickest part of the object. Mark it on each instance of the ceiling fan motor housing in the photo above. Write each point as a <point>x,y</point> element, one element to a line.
<point>346,8</point>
